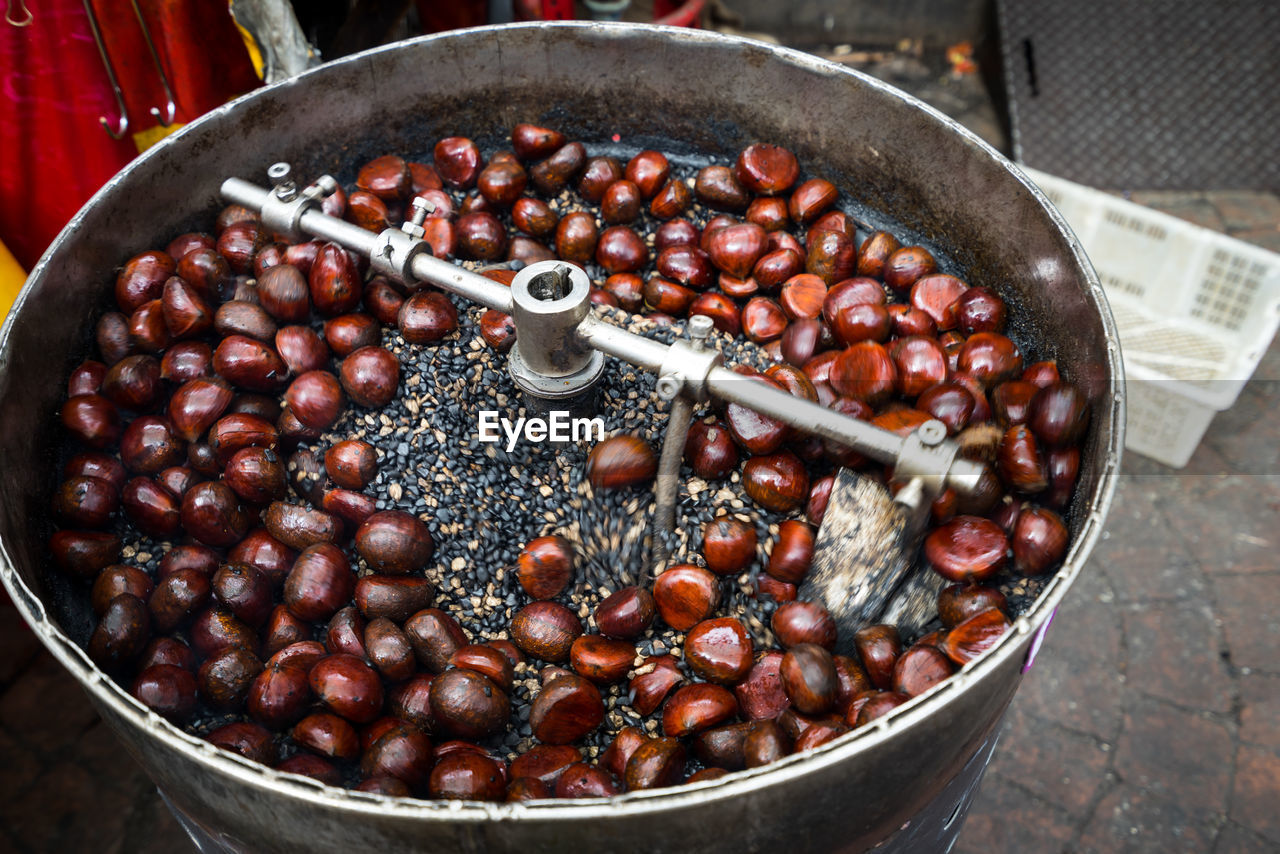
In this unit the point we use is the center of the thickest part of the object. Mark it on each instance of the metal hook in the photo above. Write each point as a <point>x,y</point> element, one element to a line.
<point>171,108</point>
<point>122,124</point>
<point>8,13</point>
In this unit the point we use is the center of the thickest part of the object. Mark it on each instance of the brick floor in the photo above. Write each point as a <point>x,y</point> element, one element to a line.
<point>1150,723</point>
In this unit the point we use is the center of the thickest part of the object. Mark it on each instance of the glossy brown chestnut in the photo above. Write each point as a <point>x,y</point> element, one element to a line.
<point>769,170</point>
<point>117,579</point>
<point>486,661</point>
<point>968,548</point>
<point>545,566</point>
<point>719,650</point>
<point>348,686</point>
<point>264,551</point>
<point>467,776</point>
<point>92,419</point>
<point>693,708</point>
<point>545,630</point>
<point>652,682</point>
<point>164,650</point>
<point>792,552</point>
<point>301,349</point>
<point>879,647</point>
<point>226,677</point>
<point>667,297</point>
<point>709,450</point>
<point>394,542</point>
<point>1039,540</point>
<point>299,527</point>
<point>626,614</point>
<point>904,266</point>
<point>245,739</point>
<point>1020,463</point>
<point>370,376</point>
<point>334,282</point>
<point>919,669</point>
<point>152,507</point>
<point>728,544</point>
<point>177,597</point>
<point>990,357</point>
<point>567,709</point>
<point>672,200</point>
<point>351,464</point>
<point>866,372</point>
<point>427,317</point>
<point>959,602</point>
<point>621,462</point>
<point>600,659</point>
<point>320,582</point>
<point>167,690</point>
<point>685,595</point>
<point>467,704</point>
<point>777,482</point>
<point>435,637</point>
<point>554,174</point>
<point>804,622</point>
<point>974,636</point>
<point>395,597</point>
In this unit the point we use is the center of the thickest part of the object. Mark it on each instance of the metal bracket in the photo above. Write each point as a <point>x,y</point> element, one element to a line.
<point>688,364</point>
<point>284,206</point>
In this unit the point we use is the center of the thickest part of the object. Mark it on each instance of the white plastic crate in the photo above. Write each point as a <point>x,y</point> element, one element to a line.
<point>1196,311</point>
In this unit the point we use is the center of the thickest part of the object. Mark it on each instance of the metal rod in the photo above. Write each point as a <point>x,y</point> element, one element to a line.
<point>666,488</point>
<point>122,122</point>
<point>464,283</point>
<point>865,438</point>
<point>170,105</point>
<point>313,222</point>
<point>615,341</point>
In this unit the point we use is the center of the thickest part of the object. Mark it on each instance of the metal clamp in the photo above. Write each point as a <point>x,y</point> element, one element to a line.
<point>284,207</point>
<point>688,364</point>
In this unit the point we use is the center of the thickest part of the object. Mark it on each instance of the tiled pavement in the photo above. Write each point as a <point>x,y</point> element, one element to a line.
<point>1150,723</point>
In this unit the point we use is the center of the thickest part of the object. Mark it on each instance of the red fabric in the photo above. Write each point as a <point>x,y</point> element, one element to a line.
<point>55,154</point>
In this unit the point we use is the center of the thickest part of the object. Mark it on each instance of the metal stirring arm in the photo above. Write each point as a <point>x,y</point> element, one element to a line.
<point>554,295</point>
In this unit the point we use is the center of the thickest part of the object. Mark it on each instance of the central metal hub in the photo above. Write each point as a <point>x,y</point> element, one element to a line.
<point>551,363</point>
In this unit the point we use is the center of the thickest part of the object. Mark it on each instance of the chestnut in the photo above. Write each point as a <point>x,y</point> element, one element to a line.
<point>349,332</point>
<point>211,513</point>
<point>467,776</point>
<point>921,364</point>
<point>467,704</point>
<point>142,278</point>
<point>959,602</point>
<point>1058,415</point>
<point>719,650</point>
<point>718,188</point>
<point>562,166</point>
<point>768,170</point>
<point>936,295</point>
<point>565,710</point>
<point>685,595</point>
<point>693,708</point>
<point>348,687</point>
<point>545,630</point>
<point>728,544</point>
<point>1039,540</point>
<point>435,637</point>
<point>804,622</point>
<point>153,508</point>
<point>320,582</point>
<point>246,739</point>
<point>396,597</point>
<point>600,659</point>
<point>763,320</point>
<point>226,677</point>
<point>167,690</point>
<point>239,243</point>
<point>654,764</point>
<point>244,591</point>
<point>370,376</point>
<point>334,282</point>
<point>328,735</point>
<point>776,482</point>
<point>545,567</point>
<point>919,669</point>
<point>673,199</point>
<point>250,364</point>
<point>121,633</point>
<point>968,548</point>
<point>620,462</point>
<point>85,502</point>
<point>92,419</point>
<point>903,267</point>
<point>969,639</point>
<point>395,542</point>
<point>866,372</point>
<point>117,579</point>
<point>301,349</point>
<point>427,317</point>
<point>792,552</point>
<point>760,694</point>
<point>256,475</point>
<point>621,203</point>
<point>315,399</point>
